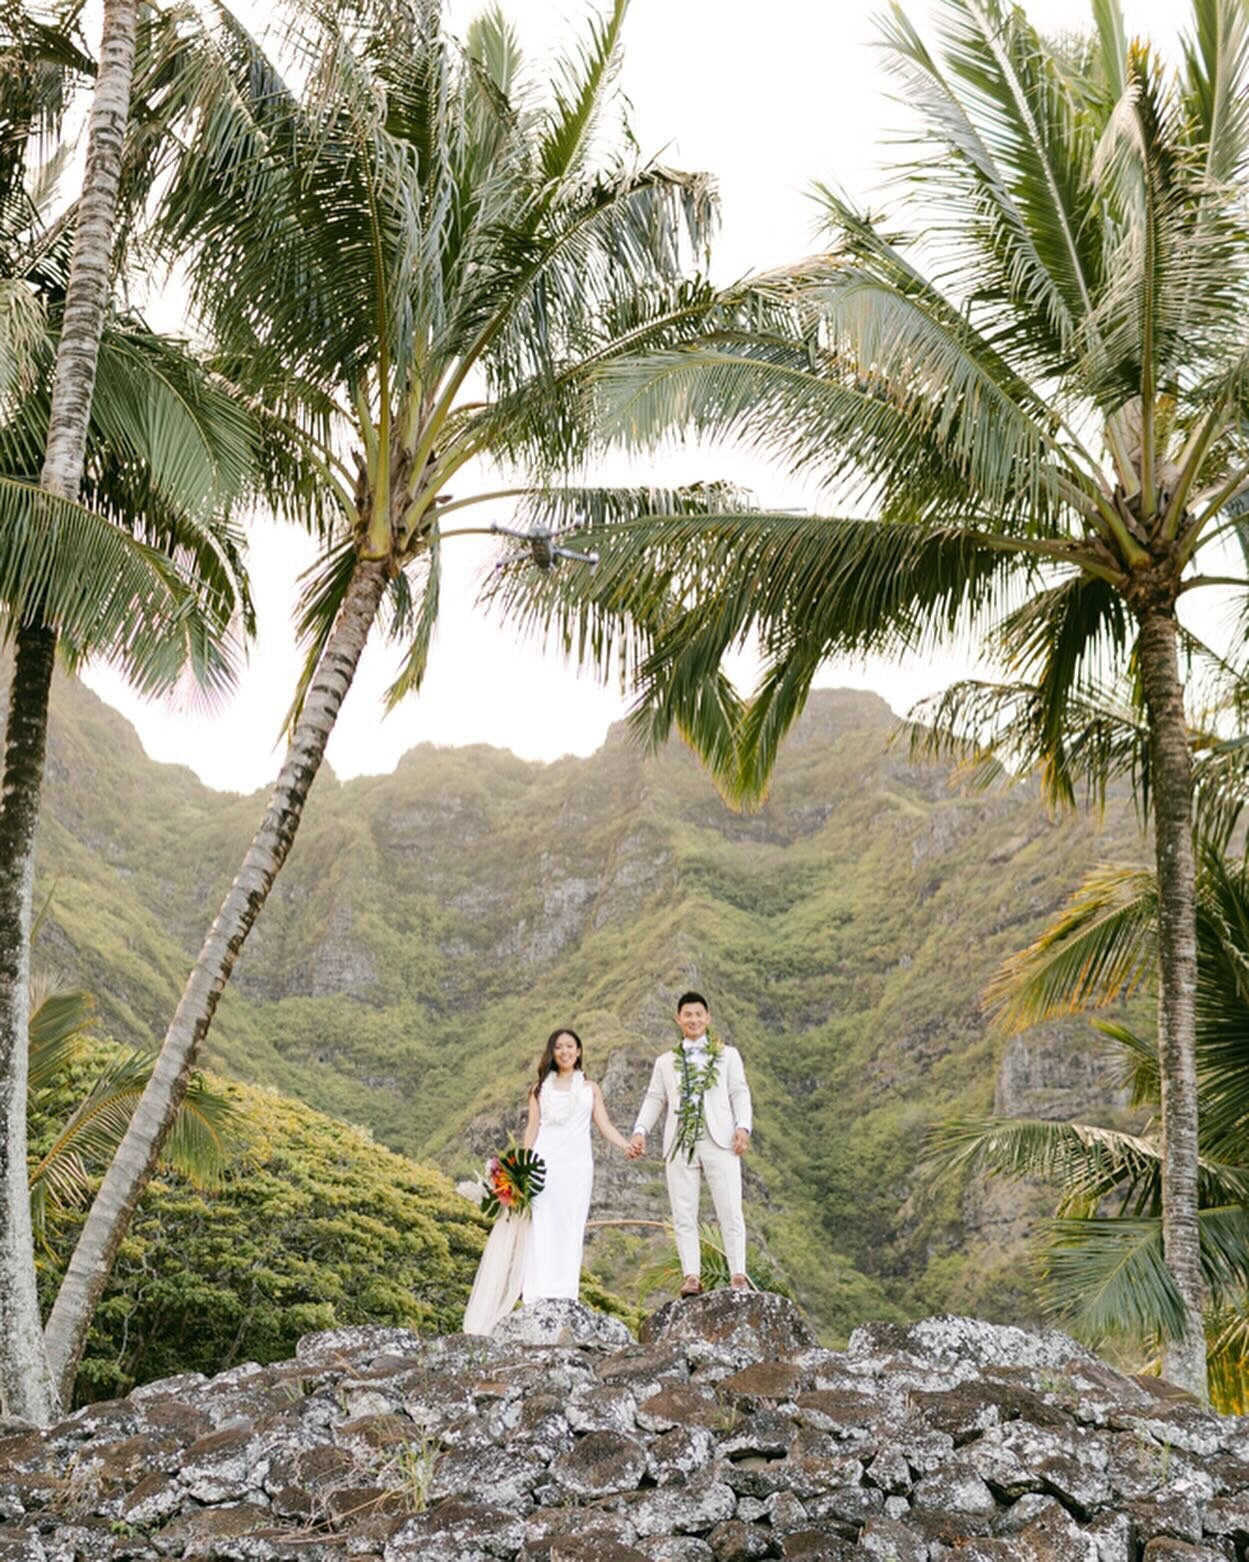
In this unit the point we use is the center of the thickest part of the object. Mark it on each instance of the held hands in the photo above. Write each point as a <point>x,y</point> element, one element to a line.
<point>637,1145</point>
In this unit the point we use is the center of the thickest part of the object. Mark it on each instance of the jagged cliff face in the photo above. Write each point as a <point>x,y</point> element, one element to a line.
<point>723,1434</point>
<point>433,925</point>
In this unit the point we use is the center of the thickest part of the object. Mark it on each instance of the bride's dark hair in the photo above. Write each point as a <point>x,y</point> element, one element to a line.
<point>546,1063</point>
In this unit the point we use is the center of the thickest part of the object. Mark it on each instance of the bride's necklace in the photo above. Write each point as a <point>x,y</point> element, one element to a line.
<point>558,1103</point>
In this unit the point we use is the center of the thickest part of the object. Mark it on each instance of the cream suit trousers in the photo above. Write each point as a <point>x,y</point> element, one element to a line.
<point>723,1171</point>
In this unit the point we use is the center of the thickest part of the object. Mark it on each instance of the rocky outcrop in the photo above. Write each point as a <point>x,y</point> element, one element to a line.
<point>724,1435</point>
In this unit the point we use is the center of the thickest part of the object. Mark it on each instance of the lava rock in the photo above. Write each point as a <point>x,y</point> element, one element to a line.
<point>600,1464</point>
<point>955,1489</point>
<point>682,1404</point>
<point>891,1541</point>
<point>456,1531</point>
<point>763,1382</point>
<point>737,1541</point>
<point>560,1321</point>
<point>969,1341</point>
<point>593,1548</point>
<point>751,1326</point>
<point>680,1510</point>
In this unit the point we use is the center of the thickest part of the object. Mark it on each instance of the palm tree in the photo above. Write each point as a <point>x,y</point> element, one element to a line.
<point>415,262</point>
<point>103,410</point>
<point>1030,371</point>
<point>1101,1256</point>
<point>85,1137</point>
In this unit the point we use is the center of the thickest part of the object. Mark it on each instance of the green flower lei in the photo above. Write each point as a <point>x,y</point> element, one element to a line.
<point>695,1083</point>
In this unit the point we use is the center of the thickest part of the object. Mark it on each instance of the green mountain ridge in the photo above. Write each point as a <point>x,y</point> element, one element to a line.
<point>432,925</point>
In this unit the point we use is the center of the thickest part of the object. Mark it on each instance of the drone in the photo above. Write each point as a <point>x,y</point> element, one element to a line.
<point>543,548</point>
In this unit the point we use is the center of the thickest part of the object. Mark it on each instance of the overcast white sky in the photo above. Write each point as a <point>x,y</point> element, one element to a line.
<point>768,97</point>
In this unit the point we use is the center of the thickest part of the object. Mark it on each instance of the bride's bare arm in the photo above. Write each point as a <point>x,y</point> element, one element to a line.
<point>604,1123</point>
<point>531,1127</point>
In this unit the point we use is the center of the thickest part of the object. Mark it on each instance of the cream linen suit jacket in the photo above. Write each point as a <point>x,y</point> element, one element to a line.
<point>726,1106</point>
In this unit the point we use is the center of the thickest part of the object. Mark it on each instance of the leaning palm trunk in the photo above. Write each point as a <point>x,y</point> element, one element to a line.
<point>110,1214</point>
<point>504,258</point>
<point>25,1383</point>
<point>1171,777</point>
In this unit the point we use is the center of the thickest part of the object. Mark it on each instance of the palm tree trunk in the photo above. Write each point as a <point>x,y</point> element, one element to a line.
<point>86,295</point>
<point>26,1385</point>
<point>110,1214</point>
<point>1171,781</point>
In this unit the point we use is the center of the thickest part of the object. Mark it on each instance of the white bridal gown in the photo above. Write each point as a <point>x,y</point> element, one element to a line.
<point>558,1213</point>
<point>540,1253</point>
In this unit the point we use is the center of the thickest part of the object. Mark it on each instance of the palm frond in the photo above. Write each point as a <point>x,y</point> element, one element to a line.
<point>1137,1070</point>
<point>620,237</point>
<point>155,405</point>
<point>1216,90</point>
<point>324,589</point>
<point>664,1274</point>
<point>1011,154</point>
<point>1077,739</point>
<point>1228,1357</point>
<point>416,626</point>
<point>279,201</point>
<point>1221,788</point>
<point>1095,953</point>
<point>23,323</point>
<point>1107,1276</point>
<point>1084,1162</point>
<point>57,1022</point>
<point>206,1136</point>
<point>652,548</point>
<point>916,448</point>
<point>1222,1002</point>
<point>580,83</point>
<point>492,41</point>
<point>1113,39</point>
<point>104,591</point>
<point>201,1144</point>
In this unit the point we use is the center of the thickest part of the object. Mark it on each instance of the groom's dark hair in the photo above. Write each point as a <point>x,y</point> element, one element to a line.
<point>692,998</point>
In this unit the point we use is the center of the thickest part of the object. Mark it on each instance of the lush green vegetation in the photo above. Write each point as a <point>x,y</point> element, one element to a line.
<point>844,933</point>
<point>314,1226</point>
<point>1100,1258</point>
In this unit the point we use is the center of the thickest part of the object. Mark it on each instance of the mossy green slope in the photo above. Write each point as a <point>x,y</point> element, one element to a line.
<point>432,925</point>
<point>313,1226</point>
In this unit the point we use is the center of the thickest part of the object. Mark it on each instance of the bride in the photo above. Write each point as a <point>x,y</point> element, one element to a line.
<point>540,1256</point>
<point>562,1104</point>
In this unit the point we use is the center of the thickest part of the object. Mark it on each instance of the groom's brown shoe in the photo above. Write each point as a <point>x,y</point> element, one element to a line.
<point>739,1283</point>
<point>691,1286</point>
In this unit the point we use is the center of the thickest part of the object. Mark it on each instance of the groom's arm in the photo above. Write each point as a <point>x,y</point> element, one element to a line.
<point>739,1093</point>
<point>653,1103</point>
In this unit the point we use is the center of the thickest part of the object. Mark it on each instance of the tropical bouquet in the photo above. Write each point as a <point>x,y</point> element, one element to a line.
<point>512,1181</point>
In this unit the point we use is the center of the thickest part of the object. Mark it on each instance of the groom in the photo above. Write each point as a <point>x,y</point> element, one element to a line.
<point>702,1089</point>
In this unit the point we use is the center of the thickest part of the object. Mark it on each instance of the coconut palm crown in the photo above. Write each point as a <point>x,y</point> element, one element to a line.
<point>413,259</point>
<point>1028,371</point>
